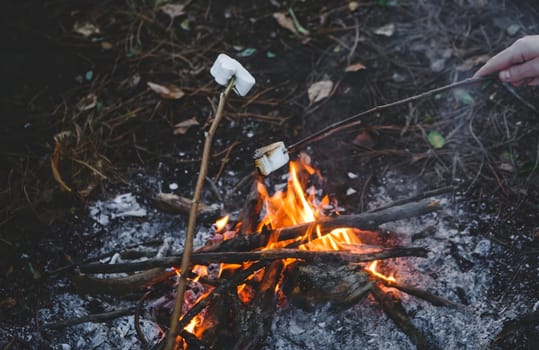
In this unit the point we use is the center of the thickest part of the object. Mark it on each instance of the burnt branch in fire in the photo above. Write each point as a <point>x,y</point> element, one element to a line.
<point>234,281</point>
<point>251,209</point>
<point>394,310</point>
<point>254,319</point>
<point>364,221</point>
<point>203,258</point>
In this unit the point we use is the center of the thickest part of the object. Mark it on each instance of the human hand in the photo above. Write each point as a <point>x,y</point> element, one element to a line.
<point>517,64</point>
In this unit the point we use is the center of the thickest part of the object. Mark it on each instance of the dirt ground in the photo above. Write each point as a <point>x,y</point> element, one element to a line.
<point>79,121</point>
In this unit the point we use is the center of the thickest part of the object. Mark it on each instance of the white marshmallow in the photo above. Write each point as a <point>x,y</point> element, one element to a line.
<point>225,67</point>
<point>271,157</point>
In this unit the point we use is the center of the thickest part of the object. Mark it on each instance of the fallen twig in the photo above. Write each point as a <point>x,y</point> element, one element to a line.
<point>102,317</point>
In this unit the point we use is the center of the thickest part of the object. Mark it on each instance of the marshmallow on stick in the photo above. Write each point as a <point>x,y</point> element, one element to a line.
<point>225,67</point>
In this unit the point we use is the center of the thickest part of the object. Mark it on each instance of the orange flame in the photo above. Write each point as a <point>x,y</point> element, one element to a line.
<point>220,224</point>
<point>372,270</point>
<point>296,207</point>
<point>293,207</point>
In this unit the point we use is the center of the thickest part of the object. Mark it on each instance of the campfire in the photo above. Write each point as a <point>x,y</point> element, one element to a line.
<point>295,246</point>
<point>301,250</point>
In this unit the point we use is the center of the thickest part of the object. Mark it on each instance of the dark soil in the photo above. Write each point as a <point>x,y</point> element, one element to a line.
<point>491,148</point>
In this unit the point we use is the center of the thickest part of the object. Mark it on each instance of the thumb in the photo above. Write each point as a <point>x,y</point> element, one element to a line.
<point>526,70</point>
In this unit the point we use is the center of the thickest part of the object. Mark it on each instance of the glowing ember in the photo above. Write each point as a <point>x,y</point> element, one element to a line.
<point>245,293</point>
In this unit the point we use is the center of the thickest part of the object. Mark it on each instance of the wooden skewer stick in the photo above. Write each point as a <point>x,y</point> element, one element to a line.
<point>188,246</point>
<point>352,120</point>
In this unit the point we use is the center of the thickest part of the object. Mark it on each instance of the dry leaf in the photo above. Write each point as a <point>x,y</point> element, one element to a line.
<point>173,10</point>
<point>85,29</point>
<point>319,90</point>
<point>353,5</point>
<point>59,140</point>
<point>387,30</point>
<point>182,127</point>
<point>88,102</point>
<point>364,139</point>
<point>169,91</point>
<point>285,21</point>
<point>106,45</point>
<point>354,67</point>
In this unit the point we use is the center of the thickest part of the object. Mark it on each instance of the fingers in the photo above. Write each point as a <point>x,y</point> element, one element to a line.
<point>520,72</point>
<point>522,50</point>
<point>534,82</point>
<point>497,63</point>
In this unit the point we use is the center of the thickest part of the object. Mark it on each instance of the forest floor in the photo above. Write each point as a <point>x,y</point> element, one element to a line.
<point>81,124</point>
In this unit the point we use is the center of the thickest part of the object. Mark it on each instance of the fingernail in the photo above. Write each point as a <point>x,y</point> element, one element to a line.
<point>505,75</point>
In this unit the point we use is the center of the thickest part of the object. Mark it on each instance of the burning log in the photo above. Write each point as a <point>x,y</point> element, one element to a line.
<point>394,310</point>
<point>202,258</point>
<point>307,285</point>
<point>255,318</point>
<point>251,209</point>
<point>221,289</point>
<point>364,221</point>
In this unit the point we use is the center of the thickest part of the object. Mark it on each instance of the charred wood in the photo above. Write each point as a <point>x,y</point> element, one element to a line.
<point>122,285</point>
<point>265,255</point>
<point>308,285</point>
<point>394,310</point>
<point>364,221</point>
<point>234,281</point>
<point>254,320</point>
<point>251,209</point>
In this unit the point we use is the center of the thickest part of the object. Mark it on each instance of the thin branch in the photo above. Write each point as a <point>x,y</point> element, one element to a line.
<point>423,294</point>
<point>204,258</point>
<point>350,121</point>
<point>102,317</point>
<point>138,309</point>
<point>394,310</point>
<point>188,245</point>
<point>427,194</point>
